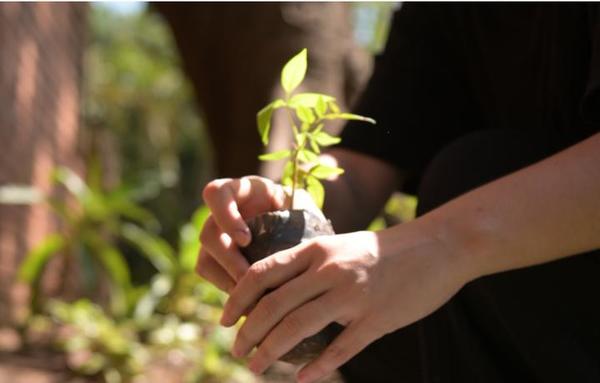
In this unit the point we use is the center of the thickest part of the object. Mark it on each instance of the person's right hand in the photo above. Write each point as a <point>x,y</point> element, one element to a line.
<point>231,202</point>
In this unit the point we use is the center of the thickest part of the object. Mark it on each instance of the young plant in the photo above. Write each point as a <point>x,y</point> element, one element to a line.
<point>307,114</point>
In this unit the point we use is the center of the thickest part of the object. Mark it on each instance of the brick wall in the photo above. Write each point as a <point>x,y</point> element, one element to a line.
<point>41,47</point>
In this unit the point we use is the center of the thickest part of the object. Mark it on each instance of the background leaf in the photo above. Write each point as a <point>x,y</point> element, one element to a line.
<point>154,248</point>
<point>114,263</point>
<point>37,258</point>
<point>20,195</point>
<point>70,180</point>
<point>189,245</point>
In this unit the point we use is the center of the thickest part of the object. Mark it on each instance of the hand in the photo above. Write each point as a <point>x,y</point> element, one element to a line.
<point>372,283</point>
<point>230,202</point>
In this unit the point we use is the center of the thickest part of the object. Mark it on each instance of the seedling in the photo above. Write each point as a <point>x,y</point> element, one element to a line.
<point>307,114</point>
<point>278,230</point>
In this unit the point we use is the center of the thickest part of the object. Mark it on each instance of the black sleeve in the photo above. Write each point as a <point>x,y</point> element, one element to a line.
<point>415,94</point>
<point>591,100</point>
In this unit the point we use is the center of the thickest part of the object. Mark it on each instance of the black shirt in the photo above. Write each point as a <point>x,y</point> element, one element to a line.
<point>452,69</point>
<point>449,69</point>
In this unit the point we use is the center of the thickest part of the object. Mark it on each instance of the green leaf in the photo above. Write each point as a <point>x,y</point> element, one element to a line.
<point>377,224</point>
<point>305,155</point>
<point>324,171</point>
<point>314,145</point>
<point>134,212</point>
<point>278,155</point>
<point>189,245</point>
<point>199,217</point>
<point>309,100</point>
<point>95,206</point>
<point>305,114</point>
<point>316,190</point>
<point>321,106</point>
<point>36,259</point>
<point>145,307</point>
<point>154,248</point>
<point>114,263</point>
<point>70,180</point>
<point>300,138</point>
<point>334,107</point>
<point>325,139</point>
<point>263,119</point>
<point>348,116</point>
<point>305,126</point>
<point>20,195</point>
<point>294,71</point>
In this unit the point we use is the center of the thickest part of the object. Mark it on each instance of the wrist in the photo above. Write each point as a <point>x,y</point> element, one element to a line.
<point>466,238</point>
<point>430,237</point>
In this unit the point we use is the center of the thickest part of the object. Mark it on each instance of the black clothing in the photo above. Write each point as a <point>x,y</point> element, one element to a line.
<point>463,95</point>
<point>539,324</point>
<point>449,69</point>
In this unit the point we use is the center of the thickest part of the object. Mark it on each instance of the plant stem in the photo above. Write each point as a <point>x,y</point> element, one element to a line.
<point>294,175</point>
<point>291,118</point>
<point>294,155</point>
<point>298,146</point>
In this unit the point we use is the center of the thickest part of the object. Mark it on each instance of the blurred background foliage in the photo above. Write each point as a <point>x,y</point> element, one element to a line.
<point>130,231</point>
<point>141,119</point>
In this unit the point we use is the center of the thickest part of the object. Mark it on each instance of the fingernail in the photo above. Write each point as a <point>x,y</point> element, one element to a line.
<point>237,352</point>
<point>234,351</point>
<point>254,366</point>
<point>242,237</point>
<point>302,377</point>
<point>224,321</point>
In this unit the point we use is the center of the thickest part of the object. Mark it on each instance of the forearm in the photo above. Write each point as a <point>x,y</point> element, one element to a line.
<point>541,213</point>
<point>355,198</point>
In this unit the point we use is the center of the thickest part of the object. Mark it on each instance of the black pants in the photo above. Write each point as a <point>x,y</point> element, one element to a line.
<point>539,324</point>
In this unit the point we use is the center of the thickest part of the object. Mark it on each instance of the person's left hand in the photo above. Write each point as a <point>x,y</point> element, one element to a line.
<point>372,283</point>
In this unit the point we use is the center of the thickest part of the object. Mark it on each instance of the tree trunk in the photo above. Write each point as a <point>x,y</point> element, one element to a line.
<point>233,54</point>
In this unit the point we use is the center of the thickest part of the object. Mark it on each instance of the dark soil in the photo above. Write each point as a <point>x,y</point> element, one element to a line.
<point>280,230</point>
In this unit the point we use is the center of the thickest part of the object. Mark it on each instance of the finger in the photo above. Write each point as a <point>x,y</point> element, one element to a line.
<point>273,307</point>
<point>265,196</point>
<point>303,322</point>
<point>229,198</point>
<point>219,197</point>
<point>268,273</point>
<point>210,270</point>
<point>350,342</point>
<point>222,248</point>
